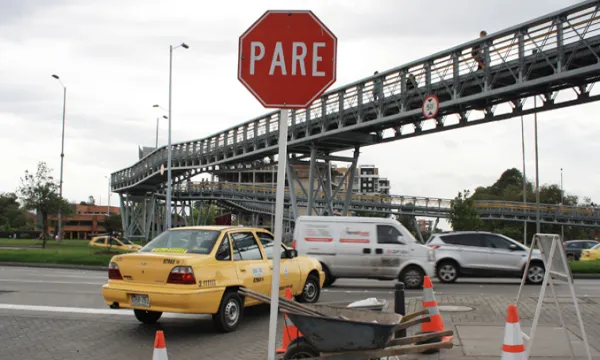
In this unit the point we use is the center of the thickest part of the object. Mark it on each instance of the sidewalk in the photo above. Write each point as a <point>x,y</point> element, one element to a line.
<point>479,333</point>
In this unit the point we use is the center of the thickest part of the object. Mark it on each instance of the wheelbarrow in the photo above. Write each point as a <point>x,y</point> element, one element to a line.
<point>336,333</point>
<point>349,334</point>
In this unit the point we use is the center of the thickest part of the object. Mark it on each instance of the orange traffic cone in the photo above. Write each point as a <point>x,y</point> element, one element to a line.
<point>436,323</point>
<point>290,332</point>
<point>160,348</point>
<point>513,347</point>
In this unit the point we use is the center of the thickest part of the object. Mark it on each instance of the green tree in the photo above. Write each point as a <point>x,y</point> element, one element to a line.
<point>39,192</point>
<point>113,223</point>
<point>509,187</point>
<point>12,215</point>
<point>463,214</point>
<point>211,210</point>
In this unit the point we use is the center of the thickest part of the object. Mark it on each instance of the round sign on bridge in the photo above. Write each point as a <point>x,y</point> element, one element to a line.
<point>287,59</point>
<point>431,106</point>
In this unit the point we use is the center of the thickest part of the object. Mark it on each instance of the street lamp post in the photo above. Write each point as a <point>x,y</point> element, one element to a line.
<point>157,120</point>
<point>62,155</point>
<point>169,150</point>
<point>524,181</point>
<point>562,203</point>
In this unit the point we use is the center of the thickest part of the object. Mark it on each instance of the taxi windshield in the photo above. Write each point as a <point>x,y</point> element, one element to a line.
<point>125,241</point>
<point>183,241</point>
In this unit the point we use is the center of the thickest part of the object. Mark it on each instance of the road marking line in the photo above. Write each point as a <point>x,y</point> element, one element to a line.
<point>89,311</point>
<point>52,282</point>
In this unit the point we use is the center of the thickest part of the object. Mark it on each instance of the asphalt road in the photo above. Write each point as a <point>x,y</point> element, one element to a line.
<point>60,314</point>
<point>21,286</point>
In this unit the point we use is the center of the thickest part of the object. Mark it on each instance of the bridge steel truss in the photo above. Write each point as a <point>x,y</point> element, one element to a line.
<point>258,200</point>
<point>553,54</point>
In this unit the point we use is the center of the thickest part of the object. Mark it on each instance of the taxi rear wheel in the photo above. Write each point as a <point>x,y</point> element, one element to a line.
<point>311,291</point>
<point>230,312</point>
<point>147,317</point>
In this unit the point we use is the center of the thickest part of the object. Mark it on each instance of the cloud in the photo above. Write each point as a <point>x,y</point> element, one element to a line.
<point>113,57</point>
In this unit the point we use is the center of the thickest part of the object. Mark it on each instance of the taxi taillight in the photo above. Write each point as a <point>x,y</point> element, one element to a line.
<point>182,275</point>
<point>113,271</point>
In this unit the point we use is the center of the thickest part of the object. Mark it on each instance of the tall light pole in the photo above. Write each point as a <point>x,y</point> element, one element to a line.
<point>562,203</point>
<point>537,170</point>
<point>62,155</point>
<point>108,207</point>
<point>157,120</point>
<point>169,150</point>
<point>524,181</point>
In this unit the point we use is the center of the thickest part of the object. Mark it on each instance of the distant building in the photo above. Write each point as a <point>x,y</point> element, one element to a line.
<point>366,180</point>
<point>87,221</point>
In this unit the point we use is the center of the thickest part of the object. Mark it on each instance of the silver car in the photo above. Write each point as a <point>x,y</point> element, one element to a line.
<point>483,254</point>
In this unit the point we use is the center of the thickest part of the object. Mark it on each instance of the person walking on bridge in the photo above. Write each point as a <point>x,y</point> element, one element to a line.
<point>478,53</point>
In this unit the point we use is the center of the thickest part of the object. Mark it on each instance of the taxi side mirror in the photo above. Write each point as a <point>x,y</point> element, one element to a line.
<point>290,253</point>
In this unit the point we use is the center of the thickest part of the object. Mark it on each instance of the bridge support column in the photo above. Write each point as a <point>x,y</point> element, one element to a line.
<point>137,214</point>
<point>328,189</point>
<point>418,228</point>
<point>292,189</point>
<point>311,182</point>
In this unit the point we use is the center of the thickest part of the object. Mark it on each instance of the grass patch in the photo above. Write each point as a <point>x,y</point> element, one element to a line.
<point>585,267</point>
<point>70,252</point>
<point>49,243</point>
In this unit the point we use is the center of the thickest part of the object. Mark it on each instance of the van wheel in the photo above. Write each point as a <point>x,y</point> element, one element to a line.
<point>329,279</point>
<point>230,312</point>
<point>412,277</point>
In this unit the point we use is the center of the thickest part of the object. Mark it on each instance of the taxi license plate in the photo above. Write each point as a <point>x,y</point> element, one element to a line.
<point>140,300</point>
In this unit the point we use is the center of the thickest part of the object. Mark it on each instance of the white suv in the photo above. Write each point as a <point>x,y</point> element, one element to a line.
<point>483,254</point>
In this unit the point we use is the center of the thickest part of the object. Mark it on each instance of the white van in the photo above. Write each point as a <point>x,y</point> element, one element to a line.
<point>364,247</point>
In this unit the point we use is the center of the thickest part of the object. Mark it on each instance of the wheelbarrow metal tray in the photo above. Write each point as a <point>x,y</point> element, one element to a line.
<point>327,334</point>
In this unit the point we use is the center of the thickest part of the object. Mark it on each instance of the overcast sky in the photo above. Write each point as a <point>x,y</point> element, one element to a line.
<point>113,56</point>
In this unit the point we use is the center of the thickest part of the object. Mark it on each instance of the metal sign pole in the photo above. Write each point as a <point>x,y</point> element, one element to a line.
<point>281,166</point>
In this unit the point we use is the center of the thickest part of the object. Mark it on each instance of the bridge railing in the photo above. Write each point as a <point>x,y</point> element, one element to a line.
<point>507,50</point>
<point>258,190</point>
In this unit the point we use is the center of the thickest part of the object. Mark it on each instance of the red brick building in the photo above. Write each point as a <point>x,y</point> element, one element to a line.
<point>87,221</point>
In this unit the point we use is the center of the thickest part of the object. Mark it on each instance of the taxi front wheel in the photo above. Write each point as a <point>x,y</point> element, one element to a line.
<point>230,312</point>
<point>147,317</point>
<point>311,291</point>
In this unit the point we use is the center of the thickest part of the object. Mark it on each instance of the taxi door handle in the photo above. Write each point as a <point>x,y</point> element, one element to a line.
<point>243,270</point>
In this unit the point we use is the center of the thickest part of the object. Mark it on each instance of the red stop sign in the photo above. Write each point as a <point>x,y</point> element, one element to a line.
<point>287,59</point>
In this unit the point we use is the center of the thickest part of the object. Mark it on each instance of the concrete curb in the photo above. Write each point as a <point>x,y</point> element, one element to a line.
<point>55,266</point>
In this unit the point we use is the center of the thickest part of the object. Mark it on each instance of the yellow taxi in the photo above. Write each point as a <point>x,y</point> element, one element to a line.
<point>590,254</point>
<point>114,242</point>
<point>199,269</point>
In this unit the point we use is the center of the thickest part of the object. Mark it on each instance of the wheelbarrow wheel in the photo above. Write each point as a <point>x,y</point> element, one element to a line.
<point>300,349</point>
